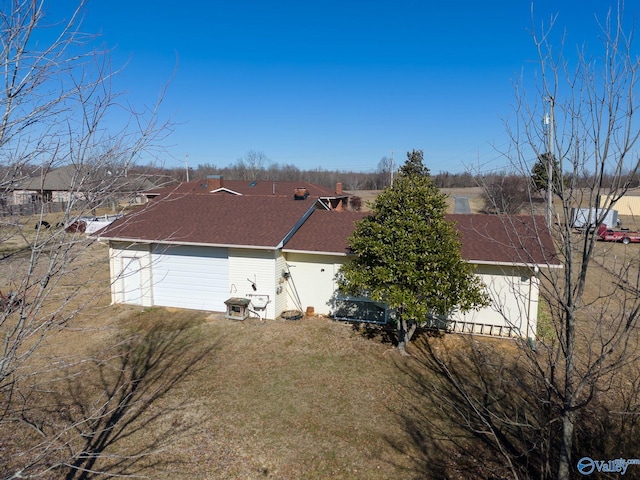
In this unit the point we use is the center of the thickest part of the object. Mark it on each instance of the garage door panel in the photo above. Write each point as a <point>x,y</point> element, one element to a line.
<point>190,277</point>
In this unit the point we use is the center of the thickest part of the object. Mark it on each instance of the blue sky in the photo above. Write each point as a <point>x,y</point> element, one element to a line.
<point>332,84</point>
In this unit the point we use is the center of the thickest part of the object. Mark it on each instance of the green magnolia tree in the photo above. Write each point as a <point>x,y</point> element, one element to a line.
<point>409,256</point>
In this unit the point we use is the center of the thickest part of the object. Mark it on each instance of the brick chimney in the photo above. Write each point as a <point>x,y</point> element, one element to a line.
<point>214,182</point>
<point>339,188</point>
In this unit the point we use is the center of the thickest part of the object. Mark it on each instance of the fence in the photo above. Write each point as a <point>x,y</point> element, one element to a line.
<point>34,208</point>
<point>360,309</point>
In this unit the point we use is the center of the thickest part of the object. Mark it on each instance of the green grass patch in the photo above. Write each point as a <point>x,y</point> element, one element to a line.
<point>546,330</point>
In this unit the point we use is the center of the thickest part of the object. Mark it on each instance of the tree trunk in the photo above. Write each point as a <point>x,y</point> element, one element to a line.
<point>566,443</point>
<point>405,332</point>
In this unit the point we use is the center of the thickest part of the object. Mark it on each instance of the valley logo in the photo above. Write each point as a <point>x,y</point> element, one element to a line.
<point>586,465</point>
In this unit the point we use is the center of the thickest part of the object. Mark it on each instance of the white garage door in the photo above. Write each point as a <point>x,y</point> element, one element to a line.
<point>190,277</point>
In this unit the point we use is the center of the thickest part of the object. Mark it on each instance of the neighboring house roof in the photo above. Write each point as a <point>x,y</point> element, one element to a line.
<point>136,183</point>
<point>176,188</point>
<point>217,220</point>
<point>76,178</point>
<point>266,188</point>
<point>57,179</point>
<point>325,232</point>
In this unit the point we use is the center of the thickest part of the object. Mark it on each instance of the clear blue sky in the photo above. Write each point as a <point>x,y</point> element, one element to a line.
<point>332,84</point>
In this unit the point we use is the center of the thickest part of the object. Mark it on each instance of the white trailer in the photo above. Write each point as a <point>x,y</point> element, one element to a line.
<point>581,218</point>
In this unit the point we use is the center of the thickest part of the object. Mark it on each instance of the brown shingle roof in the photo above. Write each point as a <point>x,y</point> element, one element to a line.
<point>325,231</point>
<point>211,219</point>
<point>508,239</point>
<point>270,188</point>
<point>249,187</point>
<point>505,239</point>
<point>264,221</point>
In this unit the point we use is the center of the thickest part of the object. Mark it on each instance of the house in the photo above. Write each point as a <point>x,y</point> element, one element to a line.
<point>198,250</point>
<point>508,252</point>
<point>72,182</point>
<point>55,185</point>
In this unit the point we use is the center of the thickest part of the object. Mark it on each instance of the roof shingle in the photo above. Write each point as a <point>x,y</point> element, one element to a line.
<point>509,239</point>
<point>325,231</point>
<point>521,239</point>
<point>211,219</point>
<point>264,221</point>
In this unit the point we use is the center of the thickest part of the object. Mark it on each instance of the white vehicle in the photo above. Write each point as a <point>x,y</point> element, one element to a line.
<point>89,225</point>
<point>583,218</point>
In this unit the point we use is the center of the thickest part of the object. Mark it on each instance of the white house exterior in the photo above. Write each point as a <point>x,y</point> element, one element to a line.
<point>192,277</point>
<point>130,266</point>
<point>313,280</point>
<point>314,255</point>
<point>507,252</point>
<point>196,251</point>
<point>513,290</point>
<point>514,293</point>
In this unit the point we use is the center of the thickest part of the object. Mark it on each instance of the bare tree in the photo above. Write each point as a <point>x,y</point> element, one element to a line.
<point>253,164</point>
<point>54,104</point>
<point>568,392</point>
<point>385,170</point>
<point>506,194</point>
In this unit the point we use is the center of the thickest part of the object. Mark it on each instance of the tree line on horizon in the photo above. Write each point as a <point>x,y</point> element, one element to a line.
<point>257,166</point>
<point>503,192</point>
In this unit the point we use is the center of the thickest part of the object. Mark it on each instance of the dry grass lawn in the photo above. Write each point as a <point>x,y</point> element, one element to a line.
<point>281,399</point>
<point>474,194</point>
<point>311,399</point>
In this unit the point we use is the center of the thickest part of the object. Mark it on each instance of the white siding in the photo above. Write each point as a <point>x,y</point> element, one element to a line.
<point>514,303</point>
<point>190,277</point>
<point>204,277</point>
<point>132,280</point>
<point>513,291</point>
<point>247,267</point>
<point>281,303</point>
<point>312,281</point>
<point>128,285</point>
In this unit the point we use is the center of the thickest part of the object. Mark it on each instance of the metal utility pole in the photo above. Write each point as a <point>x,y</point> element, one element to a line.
<point>186,165</point>
<point>391,184</point>
<point>550,121</point>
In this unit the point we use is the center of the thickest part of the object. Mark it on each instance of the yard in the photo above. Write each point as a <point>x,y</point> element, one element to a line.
<point>278,399</point>
<point>473,194</point>
<point>268,400</point>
